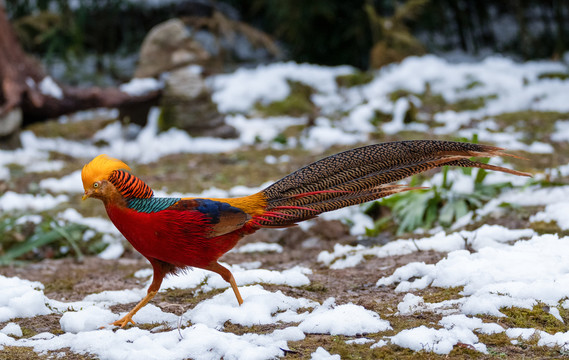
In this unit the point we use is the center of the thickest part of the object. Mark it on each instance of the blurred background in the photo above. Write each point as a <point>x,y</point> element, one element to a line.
<point>98,42</point>
<point>240,93</point>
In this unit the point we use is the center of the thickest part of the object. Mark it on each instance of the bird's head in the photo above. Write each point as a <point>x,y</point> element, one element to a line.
<point>95,176</point>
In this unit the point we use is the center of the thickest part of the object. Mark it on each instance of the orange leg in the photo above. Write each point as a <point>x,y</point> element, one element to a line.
<point>227,276</point>
<point>128,317</point>
<point>159,273</point>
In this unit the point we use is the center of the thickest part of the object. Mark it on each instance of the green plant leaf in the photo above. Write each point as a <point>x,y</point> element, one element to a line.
<point>37,240</point>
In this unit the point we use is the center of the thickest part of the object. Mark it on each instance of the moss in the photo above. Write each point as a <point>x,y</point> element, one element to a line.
<point>60,285</point>
<point>17,352</point>
<point>411,114</point>
<point>498,340</point>
<point>80,130</point>
<point>297,103</point>
<point>432,103</point>
<point>27,332</point>
<point>550,227</point>
<point>337,345</point>
<point>538,318</point>
<point>500,347</point>
<point>255,329</point>
<point>154,325</point>
<point>471,103</point>
<point>437,295</point>
<point>354,79</point>
<point>473,84</point>
<point>280,139</point>
<point>554,75</point>
<point>399,93</point>
<point>535,125</point>
<point>28,353</point>
<point>380,118</point>
<point>315,286</point>
<point>465,351</point>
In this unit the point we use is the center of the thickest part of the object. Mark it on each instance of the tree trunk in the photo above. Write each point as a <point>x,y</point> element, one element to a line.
<point>21,80</point>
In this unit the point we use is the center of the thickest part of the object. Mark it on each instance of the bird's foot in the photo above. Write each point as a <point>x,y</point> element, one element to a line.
<point>124,321</point>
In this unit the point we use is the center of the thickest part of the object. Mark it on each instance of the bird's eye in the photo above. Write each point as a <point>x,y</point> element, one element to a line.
<point>96,185</point>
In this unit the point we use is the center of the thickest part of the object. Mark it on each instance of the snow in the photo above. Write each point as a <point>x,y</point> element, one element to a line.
<point>268,83</point>
<point>12,329</point>
<point>486,235</point>
<point>141,86</point>
<point>90,318</point>
<point>495,277</point>
<point>48,87</point>
<point>322,354</point>
<point>21,298</point>
<point>12,201</point>
<point>260,247</point>
<point>439,341</point>
<point>253,130</point>
<point>339,320</point>
<point>259,307</point>
<point>554,212</point>
<point>84,323</point>
<point>495,266</point>
<point>68,183</point>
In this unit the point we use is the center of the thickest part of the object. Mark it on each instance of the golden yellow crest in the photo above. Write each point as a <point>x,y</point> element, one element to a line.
<point>100,168</point>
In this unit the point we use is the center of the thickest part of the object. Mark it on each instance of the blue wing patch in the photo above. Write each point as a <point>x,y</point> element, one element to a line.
<point>215,208</point>
<point>151,205</point>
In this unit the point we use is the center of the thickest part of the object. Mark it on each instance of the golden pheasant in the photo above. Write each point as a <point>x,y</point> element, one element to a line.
<point>176,233</point>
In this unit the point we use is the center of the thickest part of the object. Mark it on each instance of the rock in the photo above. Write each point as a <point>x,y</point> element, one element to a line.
<point>168,46</point>
<point>187,105</point>
<point>10,124</point>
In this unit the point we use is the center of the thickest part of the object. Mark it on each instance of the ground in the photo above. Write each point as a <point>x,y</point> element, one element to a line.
<point>490,284</point>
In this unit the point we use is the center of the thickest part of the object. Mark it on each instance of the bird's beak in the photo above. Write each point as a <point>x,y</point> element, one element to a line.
<point>86,195</point>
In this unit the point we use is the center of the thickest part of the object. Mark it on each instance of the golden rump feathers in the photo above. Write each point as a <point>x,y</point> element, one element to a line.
<point>100,168</point>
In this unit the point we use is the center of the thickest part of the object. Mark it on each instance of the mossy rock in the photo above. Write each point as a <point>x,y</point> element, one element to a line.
<point>75,131</point>
<point>187,105</point>
<point>297,103</point>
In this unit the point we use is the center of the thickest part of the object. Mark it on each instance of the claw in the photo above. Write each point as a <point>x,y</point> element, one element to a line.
<point>124,321</point>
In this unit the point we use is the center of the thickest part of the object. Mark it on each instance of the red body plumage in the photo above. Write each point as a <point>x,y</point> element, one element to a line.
<point>171,236</point>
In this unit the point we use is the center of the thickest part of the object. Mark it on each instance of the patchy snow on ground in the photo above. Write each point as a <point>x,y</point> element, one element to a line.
<point>339,320</point>
<point>82,322</point>
<point>496,266</point>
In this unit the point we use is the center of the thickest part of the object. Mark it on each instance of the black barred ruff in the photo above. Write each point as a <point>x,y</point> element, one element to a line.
<point>129,185</point>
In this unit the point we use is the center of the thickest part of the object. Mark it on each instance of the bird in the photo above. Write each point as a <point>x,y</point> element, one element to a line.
<point>175,233</point>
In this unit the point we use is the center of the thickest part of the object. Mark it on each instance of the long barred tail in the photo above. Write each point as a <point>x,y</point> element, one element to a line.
<point>364,174</point>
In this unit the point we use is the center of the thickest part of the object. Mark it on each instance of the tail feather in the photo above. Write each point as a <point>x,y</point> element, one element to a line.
<point>363,174</point>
